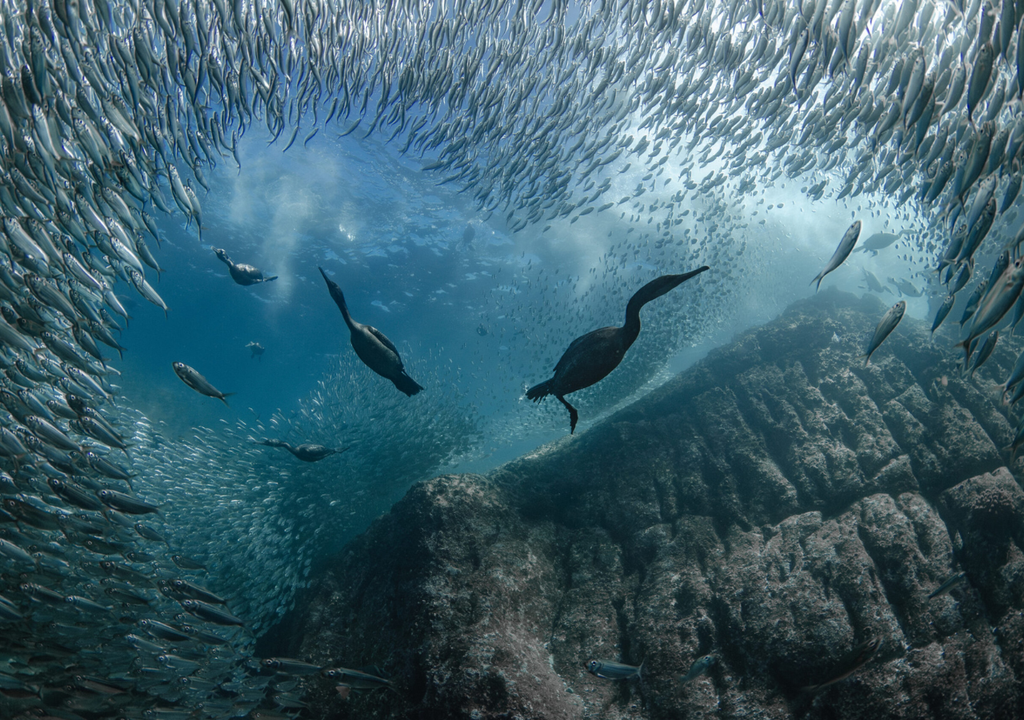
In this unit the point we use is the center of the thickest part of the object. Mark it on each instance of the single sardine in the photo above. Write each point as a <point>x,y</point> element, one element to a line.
<point>885,326</point>
<point>611,670</point>
<point>948,585</point>
<point>191,377</point>
<point>853,661</point>
<point>842,252</point>
<point>699,667</point>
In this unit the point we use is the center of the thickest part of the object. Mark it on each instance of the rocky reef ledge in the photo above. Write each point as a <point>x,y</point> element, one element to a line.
<point>773,505</point>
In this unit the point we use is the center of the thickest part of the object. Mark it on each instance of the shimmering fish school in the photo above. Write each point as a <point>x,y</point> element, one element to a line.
<point>108,108</point>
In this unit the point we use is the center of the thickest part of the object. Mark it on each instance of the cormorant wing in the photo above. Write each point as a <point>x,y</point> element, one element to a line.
<point>383,338</point>
<point>570,352</point>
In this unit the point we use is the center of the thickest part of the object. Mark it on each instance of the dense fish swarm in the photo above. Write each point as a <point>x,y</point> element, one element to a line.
<point>532,109</point>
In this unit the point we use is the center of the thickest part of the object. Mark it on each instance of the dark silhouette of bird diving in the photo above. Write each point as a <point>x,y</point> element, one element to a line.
<point>240,272</point>
<point>372,346</point>
<point>307,452</point>
<point>592,356</point>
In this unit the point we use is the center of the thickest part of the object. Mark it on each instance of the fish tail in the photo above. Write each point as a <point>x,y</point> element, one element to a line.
<point>406,384</point>
<point>539,392</point>
<point>266,280</point>
<point>224,398</point>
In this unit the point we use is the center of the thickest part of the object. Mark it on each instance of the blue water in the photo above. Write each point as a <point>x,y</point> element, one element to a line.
<point>480,303</point>
<point>415,260</point>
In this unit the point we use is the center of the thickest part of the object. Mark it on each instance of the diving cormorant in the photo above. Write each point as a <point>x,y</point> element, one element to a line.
<point>307,452</point>
<point>240,272</point>
<point>372,346</point>
<point>592,356</point>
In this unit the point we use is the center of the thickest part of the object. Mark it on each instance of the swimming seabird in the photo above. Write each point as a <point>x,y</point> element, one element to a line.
<point>372,346</point>
<point>592,356</point>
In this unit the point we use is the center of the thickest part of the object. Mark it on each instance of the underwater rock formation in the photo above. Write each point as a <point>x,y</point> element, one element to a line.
<point>774,505</point>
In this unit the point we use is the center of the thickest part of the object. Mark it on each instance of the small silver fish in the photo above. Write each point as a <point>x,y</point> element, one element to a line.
<point>699,667</point>
<point>288,666</point>
<point>211,613</point>
<point>356,679</point>
<point>886,325</point>
<point>948,585</point>
<point>943,311</point>
<point>842,252</point>
<point>191,377</point>
<point>611,670</point>
<point>850,663</point>
<point>125,503</point>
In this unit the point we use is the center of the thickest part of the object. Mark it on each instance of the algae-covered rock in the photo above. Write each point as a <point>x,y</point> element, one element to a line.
<point>777,505</point>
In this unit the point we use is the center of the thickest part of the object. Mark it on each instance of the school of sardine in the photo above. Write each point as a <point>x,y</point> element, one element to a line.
<point>113,115</point>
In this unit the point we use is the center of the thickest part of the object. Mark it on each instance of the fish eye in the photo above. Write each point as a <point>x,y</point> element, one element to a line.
<point>592,665</point>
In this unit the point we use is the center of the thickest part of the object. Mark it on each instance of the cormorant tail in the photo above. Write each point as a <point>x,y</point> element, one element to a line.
<point>539,392</point>
<point>406,384</point>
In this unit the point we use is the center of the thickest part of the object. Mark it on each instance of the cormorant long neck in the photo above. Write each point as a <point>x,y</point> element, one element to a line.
<point>654,289</point>
<point>339,299</point>
<point>631,330</point>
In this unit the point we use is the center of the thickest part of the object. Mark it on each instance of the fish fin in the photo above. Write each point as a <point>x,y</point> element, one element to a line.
<point>266,280</point>
<point>224,397</point>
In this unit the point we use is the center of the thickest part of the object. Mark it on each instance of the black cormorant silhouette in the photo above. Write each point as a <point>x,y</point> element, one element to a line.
<point>307,452</point>
<point>372,346</point>
<point>241,273</point>
<point>592,356</point>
